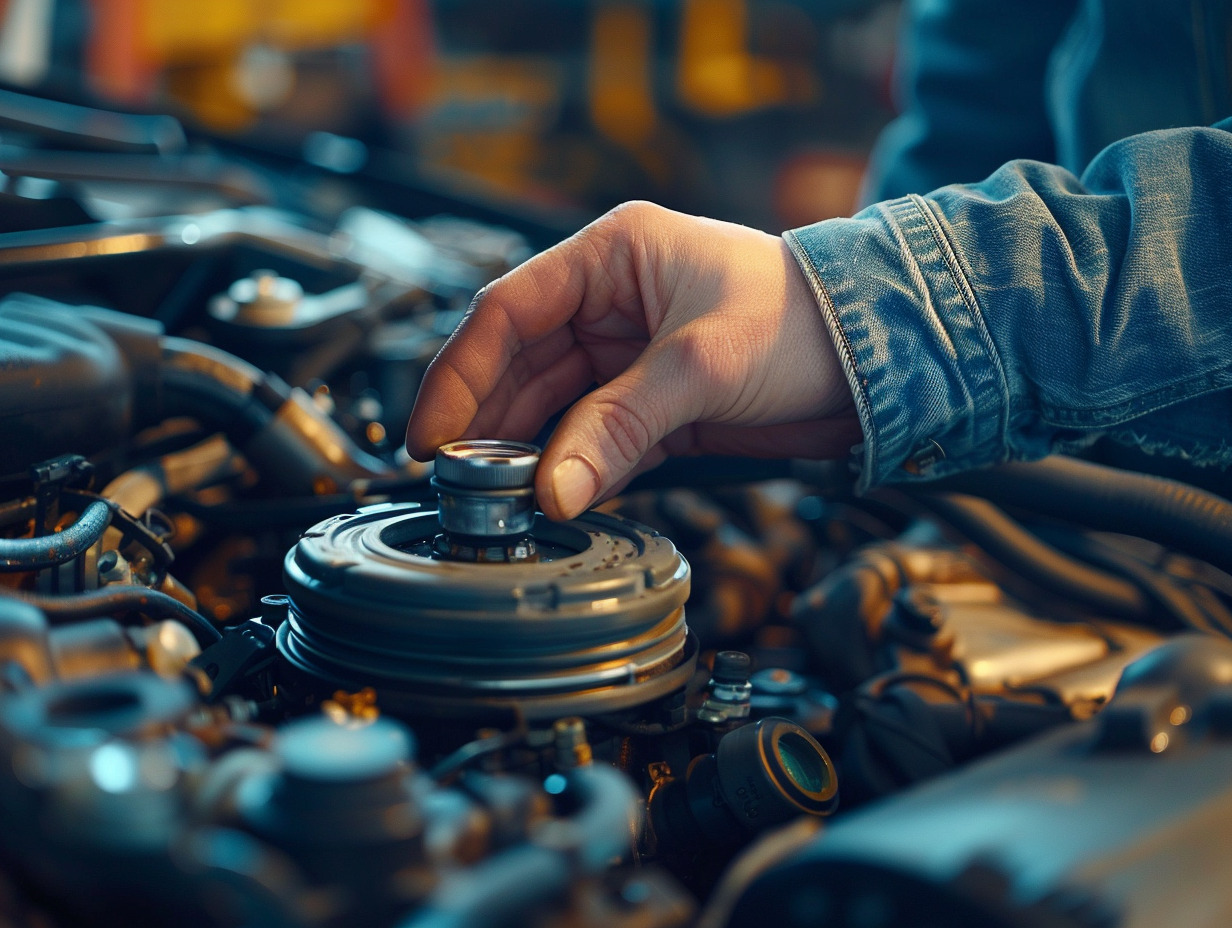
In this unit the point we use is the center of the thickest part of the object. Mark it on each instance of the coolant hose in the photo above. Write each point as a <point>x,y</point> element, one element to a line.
<point>1011,544</point>
<point>1169,512</point>
<point>122,598</point>
<point>277,428</point>
<point>60,547</point>
<point>1170,595</point>
<point>217,388</point>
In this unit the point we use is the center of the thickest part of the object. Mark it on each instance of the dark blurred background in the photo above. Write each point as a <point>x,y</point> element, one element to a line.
<point>757,111</point>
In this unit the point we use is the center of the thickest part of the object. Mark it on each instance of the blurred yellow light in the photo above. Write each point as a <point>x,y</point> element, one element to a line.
<point>621,93</point>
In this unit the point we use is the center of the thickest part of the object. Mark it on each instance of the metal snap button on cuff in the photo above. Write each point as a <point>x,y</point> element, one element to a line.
<point>924,458</point>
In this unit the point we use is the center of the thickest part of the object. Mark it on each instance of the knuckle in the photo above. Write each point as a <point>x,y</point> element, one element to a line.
<point>628,430</point>
<point>636,210</point>
<point>627,219</point>
<point>482,296</point>
<point>482,293</point>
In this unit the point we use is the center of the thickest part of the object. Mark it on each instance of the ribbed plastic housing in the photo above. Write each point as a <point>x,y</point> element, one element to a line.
<point>596,625</point>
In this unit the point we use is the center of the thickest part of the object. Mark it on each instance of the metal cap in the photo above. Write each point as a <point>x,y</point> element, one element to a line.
<point>317,750</point>
<point>263,299</point>
<point>487,464</point>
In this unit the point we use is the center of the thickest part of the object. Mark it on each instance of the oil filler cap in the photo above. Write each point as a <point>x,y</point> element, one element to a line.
<point>487,499</point>
<point>487,464</point>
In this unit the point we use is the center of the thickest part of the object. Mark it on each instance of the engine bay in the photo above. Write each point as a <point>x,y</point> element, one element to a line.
<point>258,667</point>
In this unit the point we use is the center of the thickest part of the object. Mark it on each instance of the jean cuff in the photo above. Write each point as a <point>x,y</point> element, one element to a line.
<point>927,380</point>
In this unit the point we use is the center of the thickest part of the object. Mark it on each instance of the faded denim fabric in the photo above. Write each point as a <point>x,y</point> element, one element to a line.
<point>1036,310</point>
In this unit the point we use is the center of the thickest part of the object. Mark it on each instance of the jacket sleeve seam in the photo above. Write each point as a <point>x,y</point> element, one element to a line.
<point>846,354</point>
<point>962,284</point>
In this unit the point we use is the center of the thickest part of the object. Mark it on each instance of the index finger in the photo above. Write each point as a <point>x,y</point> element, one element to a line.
<point>517,310</point>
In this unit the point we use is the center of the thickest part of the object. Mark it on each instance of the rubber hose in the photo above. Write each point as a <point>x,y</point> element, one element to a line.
<point>191,393</point>
<point>60,547</point>
<point>123,598</point>
<point>1169,512</point>
<point>1011,544</point>
<point>215,387</point>
<point>1162,589</point>
<point>277,428</point>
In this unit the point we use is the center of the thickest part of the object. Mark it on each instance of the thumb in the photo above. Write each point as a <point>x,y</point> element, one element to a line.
<point>606,433</point>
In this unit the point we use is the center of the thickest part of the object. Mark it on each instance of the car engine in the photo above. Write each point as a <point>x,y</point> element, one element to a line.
<point>257,667</point>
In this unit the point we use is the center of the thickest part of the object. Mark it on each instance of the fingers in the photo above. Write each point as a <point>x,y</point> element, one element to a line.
<point>610,431</point>
<point>827,439</point>
<point>520,309</point>
<point>540,379</point>
<point>678,319</point>
<point>590,281</point>
<point>830,438</point>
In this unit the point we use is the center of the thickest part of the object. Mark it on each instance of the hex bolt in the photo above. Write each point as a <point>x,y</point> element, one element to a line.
<point>732,667</point>
<point>730,690</point>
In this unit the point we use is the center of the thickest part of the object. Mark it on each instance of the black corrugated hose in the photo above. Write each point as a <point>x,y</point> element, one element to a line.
<point>1034,560</point>
<point>1169,512</point>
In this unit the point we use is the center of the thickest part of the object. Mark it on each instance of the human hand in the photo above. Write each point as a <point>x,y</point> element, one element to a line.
<point>702,335</point>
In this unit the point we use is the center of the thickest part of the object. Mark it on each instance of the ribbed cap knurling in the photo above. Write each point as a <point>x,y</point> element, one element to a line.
<point>487,464</point>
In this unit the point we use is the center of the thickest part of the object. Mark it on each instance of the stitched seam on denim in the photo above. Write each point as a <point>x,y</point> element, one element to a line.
<point>846,353</point>
<point>1155,400</point>
<point>902,220</point>
<point>913,219</point>
<point>962,281</point>
<point>899,218</point>
<point>977,385</point>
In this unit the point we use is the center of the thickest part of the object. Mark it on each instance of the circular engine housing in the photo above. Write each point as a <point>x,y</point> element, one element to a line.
<point>596,625</point>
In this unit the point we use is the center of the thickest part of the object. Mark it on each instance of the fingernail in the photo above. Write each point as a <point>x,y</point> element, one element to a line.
<point>574,484</point>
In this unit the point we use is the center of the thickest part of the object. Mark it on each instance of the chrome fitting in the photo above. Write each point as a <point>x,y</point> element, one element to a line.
<point>486,499</point>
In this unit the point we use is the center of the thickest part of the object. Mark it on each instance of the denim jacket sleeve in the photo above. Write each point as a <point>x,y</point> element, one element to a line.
<point>1036,311</point>
<point>969,83</point>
